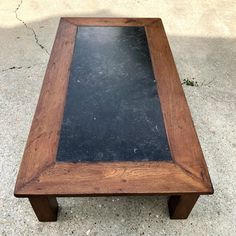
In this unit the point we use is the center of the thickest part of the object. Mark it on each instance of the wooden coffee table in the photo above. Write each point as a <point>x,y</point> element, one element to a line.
<point>112,119</point>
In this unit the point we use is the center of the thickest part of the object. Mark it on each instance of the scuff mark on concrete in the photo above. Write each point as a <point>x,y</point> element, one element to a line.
<point>207,84</point>
<point>28,27</point>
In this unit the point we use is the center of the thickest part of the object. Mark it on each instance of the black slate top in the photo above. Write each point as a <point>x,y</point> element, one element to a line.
<point>112,111</point>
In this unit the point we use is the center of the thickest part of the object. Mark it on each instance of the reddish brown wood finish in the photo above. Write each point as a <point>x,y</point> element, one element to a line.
<point>39,173</point>
<point>44,207</point>
<point>181,206</point>
<point>119,178</point>
<point>86,21</point>
<point>41,147</point>
<point>182,137</point>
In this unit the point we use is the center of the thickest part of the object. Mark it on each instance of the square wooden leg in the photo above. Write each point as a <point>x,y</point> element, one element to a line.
<point>44,207</point>
<point>180,206</point>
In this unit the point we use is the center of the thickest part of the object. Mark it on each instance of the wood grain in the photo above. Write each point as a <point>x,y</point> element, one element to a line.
<point>182,137</point>
<point>114,178</point>
<point>107,21</point>
<point>41,147</point>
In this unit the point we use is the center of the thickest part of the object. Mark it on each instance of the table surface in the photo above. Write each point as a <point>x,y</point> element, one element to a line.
<point>102,125</point>
<point>112,110</point>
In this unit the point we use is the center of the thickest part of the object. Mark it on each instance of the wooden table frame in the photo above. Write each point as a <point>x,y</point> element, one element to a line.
<point>42,179</point>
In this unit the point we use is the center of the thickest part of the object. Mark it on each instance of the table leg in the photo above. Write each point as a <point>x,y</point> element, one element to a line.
<point>44,207</point>
<point>180,206</point>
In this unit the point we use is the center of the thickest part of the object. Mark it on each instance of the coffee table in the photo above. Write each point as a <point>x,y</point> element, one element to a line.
<point>112,119</point>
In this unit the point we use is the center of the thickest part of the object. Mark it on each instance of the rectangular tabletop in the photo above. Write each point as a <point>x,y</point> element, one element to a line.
<point>112,117</point>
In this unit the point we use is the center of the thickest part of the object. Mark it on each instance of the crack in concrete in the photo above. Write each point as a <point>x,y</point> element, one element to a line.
<point>16,68</point>
<point>30,28</point>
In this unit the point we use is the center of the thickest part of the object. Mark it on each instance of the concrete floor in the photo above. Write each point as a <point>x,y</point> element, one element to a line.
<point>202,35</point>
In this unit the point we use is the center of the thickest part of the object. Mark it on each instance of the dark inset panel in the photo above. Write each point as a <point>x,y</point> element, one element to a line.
<point>112,111</point>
